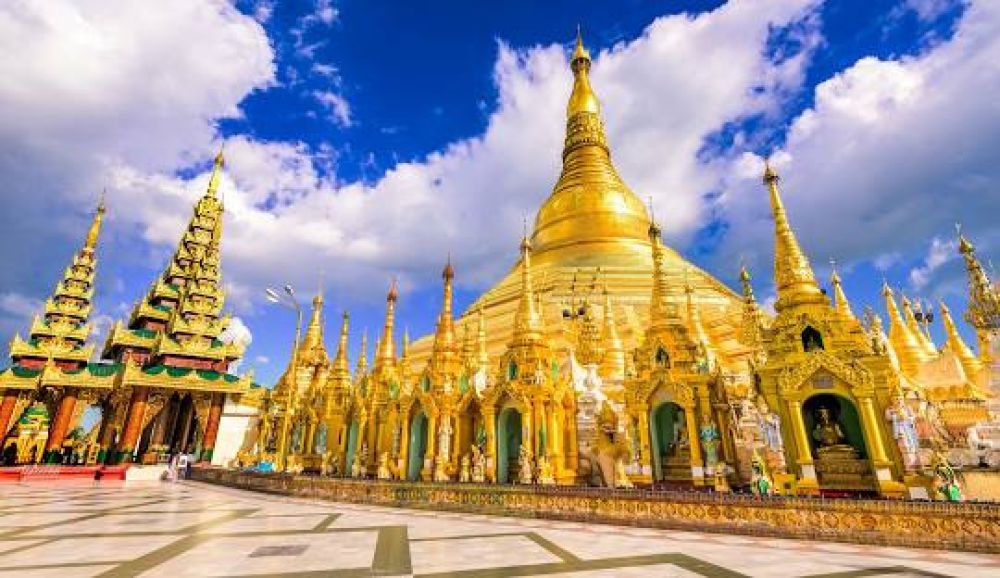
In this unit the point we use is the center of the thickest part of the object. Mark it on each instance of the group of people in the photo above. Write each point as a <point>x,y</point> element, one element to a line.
<point>179,466</point>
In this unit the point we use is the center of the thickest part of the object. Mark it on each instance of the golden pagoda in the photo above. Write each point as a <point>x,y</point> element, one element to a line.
<point>603,357</point>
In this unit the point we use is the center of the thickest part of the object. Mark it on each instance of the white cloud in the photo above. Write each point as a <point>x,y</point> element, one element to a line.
<point>337,106</point>
<point>928,10</point>
<point>939,253</point>
<point>890,155</point>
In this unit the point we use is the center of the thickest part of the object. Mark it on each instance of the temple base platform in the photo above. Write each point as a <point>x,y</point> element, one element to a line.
<point>19,474</point>
<point>973,527</point>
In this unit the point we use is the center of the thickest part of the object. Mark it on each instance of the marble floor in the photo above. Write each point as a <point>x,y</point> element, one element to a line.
<point>190,529</point>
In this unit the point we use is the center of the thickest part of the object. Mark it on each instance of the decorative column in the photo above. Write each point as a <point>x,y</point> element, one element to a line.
<point>490,423</point>
<point>403,460</point>
<point>573,451</point>
<point>187,417</point>
<point>7,411</point>
<point>694,443</point>
<point>645,442</point>
<point>212,427</point>
<point>427,471</point>
<point>60,426</point>
<point>133,424</point>
<point>804,456</point>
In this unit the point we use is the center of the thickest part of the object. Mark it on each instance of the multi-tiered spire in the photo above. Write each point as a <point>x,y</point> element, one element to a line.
<point>983,311</point>
<point>613,364</point>
<point>527,324</point>
<point>971,364</point>
<point>180,320</point>
<point>796,282</point>
<point>752,334</point>
<point>385,357</point>
<point>840,303</point>
<point>909,351</point>
<point>61,334</point>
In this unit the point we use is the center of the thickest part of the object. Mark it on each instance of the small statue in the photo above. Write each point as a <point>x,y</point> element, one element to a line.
<point>441,469</point>
<point>946,480</point>
<point>384,473</point>
<point>524,466</point>
<point>545,476</point>
<point>760,482</point>
<point>356,466</point>
<point>770,426</point>
<point>444,436</point>
<point>465,473</point>
<point>709,434</point>
<point>830,437</point>
<point>721,480</point>
<point>904,431</point>
<point>478,465</point>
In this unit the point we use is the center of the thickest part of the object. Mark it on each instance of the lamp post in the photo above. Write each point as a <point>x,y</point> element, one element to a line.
<point>289,301</point>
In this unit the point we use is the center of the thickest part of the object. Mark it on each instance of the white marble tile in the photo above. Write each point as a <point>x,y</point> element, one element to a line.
<point>78,550</point>
<point>476,553</point>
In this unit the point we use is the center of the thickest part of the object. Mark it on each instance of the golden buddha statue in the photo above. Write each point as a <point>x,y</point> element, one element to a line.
<point>830,437</point>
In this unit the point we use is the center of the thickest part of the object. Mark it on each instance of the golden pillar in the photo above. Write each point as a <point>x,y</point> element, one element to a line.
<point>869,420</point>
<point>490,421</point>
<point>694,442</point>
<point>573,451</point>
<point>402,460</point>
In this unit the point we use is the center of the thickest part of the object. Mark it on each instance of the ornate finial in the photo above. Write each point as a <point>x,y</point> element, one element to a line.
<point>393,293</point>
<point>95,226</point>
<point>449,271</point>
<point>579,51</point>
<point>964,246</point>
<point>769,173</point>
<point>654,227</point>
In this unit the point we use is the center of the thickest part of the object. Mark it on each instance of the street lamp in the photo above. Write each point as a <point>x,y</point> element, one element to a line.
<point>288,301</point>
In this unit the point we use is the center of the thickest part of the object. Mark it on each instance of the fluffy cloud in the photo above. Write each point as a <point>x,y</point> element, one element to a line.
<point>940,252</point>
<point>664,95</point>
<point>890,155</point>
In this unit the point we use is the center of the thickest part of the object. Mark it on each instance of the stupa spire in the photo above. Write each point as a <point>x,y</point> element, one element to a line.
<point>983,311</point>
<point>95,226</point>
<point>387,343</point>
<point>589,205</point>
<point>613,364</point>
<point>659,308</point>
<point>914,326</point>
<point>752,333</point>
<point>970,363</point>
<point>340,362</point>
<point>908,350</point>
<point>840,302</point>
<point>793,275</point>
<point>362,366</point>
<point>527,325</point>
<point>444,338</point>
<point>216,176</point>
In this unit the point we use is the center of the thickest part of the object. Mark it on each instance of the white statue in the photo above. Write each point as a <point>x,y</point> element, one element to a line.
<point>904,431</point>
<point>444,436</point>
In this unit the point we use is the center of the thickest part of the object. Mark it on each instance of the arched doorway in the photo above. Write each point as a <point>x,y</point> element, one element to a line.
<point>352,446</point>
<point>668,431</point>
<point>840,420</point>
<point>417,445</point>
<point>508,443</point>
<point>470,428</point>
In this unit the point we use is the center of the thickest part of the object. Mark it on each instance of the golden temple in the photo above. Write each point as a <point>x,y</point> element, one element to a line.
<point>605,358</point>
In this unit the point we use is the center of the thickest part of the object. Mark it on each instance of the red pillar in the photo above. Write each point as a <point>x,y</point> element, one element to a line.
<point>60,426</point>
<point>133,424</point>
<point>7,411</point>
<point>212,427</point>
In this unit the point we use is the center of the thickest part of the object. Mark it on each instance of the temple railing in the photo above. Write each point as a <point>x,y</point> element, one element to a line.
<point>940,525</point>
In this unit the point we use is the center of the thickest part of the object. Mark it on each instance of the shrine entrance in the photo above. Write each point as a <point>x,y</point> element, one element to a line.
<point>508,444</point>
<point>417,446</point>
<point>671,450</point>
<point>352,446</point>
<point>837,443</point>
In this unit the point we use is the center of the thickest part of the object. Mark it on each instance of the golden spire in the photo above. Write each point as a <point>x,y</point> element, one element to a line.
<point>793,275</point>
<point>589,205</point>
<point>312,349</point>
<point>914,326</point>
<point>582,99</point>
<point>613,364</point>
<point>908,350</point>
<point>95,227</point>
<point>444,338</point>
<point>970,363</point>
<point>659,308</point>
<point>213,180</point>
<point>340,362</point>
<point>482,357</point>
<point>983,311</point>
<point>840,303</point>
<point>752,333</point>
<point>527,326</point>
<point>386,346</point>
<point>362,366</point>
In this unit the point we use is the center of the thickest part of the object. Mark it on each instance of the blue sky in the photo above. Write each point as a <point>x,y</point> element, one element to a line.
<point>370,139</point>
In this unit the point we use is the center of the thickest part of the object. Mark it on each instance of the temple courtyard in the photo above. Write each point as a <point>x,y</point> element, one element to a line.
<point>194,529</point>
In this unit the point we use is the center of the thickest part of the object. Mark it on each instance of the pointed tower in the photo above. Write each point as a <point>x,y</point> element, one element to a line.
<point>908,350</point>
<point>930,352</point>
<point>386,352</point>
<point>752,332</point>
<point>61,333</point>
<point>340,363</point>
<point>954,342</point>
<point>661,311</point>
<point>613,364</point>
<point>589,205</point>
<point>840,303</point>
<point>695,326</point>
<point>983,311</point>
<point>312,351</point>
<point>793,275</point>
<point>527,325</point>
<point>362,367</point>
<point>445,343</point>
<point>179,322</point>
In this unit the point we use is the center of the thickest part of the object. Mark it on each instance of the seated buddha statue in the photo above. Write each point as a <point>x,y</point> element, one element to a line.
<point>830,438</point>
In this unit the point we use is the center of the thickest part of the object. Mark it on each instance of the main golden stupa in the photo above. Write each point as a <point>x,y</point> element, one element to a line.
<point>605,358</point>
